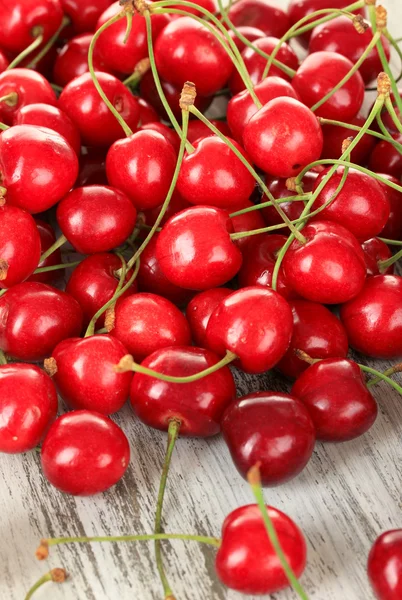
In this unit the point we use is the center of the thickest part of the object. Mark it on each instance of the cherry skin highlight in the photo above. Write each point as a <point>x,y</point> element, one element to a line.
<point>29,86</point>
<point>384,566</point>
<point>375,251</point>
<point>271,19</point>
<point>84,13</point>
<point>47,239</point>
<point>169,134</point>
<point>72,60</point>
<point>200,309</point>
<point>387,159</point>
<point>75,467</point>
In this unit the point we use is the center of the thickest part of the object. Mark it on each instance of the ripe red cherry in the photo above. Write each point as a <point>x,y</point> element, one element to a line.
<point>176,204</point>
<point>335,394</point>
<point>142,167</point>
<point>47,239</point>
<point>250,33</point>
<point>374,251</point>
<point>50,117</point>
<point>242,107</point>
<point>277,149</point>
<point>200,309</point>
<point>226,181</point>
<point>246,222</point>
<point>92,168</point>
<point>317,332</point>
<point>147,113</point>
<point>207,4</point>
<point>272,19</point>
<point>329,268</point>
<point>4,62</point>
<point>335,135</point>
<point>198,405</point>
<point>384,565</point>
<point>96,218</point>
<point>340,35</point>
<point>186,50</point>
<point>84,13</point>
<point>195,251</point>
<point>318,74</point>
<point>96,124</point>
<point>164,130</point>
<point>37,167</point>
<point>373,319</point>
<point>34,318</point>
<point>29,86</point>
<point>76,467</point>
<point>246,560</point>
<point>198,129</point>
<point>145,323</point>
<point>19,245</point>
<point>387,159</point>
<point>272,429</point>
<point>254,323</point>
<point>393,228</point>
<point>72,60</point>
<point>361,206</point>
<point>23,20</point>
<point>28,405</point>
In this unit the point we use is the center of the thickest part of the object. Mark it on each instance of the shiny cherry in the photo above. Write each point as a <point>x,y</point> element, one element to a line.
<point>385,158</point>
<point>393,228</point>
<point>4,62</point>
<point>47,239</point>
<point>84,13</point>
<point>28,86</point>
<point>198,129</point>
<point>250,33</point>
<point>268,17</point>
<point>246,222</point>
<point>384,566</point>
<point>147,112</point>
<point>166,131</point>
<point>200,309</point>
<point>207,4</point>
<point>374,251</point>
<point>72,60</point>
<point>76,467</point>
<point>92,168</point>
<point>335,135</point>
<point>272,429</point>
<point>176,204</point>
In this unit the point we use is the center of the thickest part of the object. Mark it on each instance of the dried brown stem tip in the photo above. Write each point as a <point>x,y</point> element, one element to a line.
<point>370,2</point>
<point>253,475</point>
<point>188,95</point>
<point>58,575</point>
<point>381,18</point>
<point>346,143</point>
<point>50,366</point>
<point>170,597</point>
<point>360,24</point>
<point>3,269</point>
<point>125,364</point>
<point>42,551</point>
<point>110,319</point>
<point>141,6</point>
<point>128,5</point>
<point>383,84</point>
<point>304,356</point>
<point>142,67</point>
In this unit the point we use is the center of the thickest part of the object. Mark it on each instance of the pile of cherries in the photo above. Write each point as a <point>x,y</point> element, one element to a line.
<point>193,244</point>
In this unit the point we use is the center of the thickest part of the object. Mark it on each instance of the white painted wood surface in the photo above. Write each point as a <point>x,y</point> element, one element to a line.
<point>347,495</point>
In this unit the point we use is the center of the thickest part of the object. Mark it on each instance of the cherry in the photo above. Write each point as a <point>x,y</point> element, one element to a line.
<point>147,113</point>
<point>374,251</point>
<point>142,167</point>
<point>386,117</point>
<point>84,13</point>
<point>317,332</point>
<point>200,309</point>
<point>393,228</point>
<point>195,251</point>
<point>72,60</point>
<point>361,206</point>
<point>96,218</point>
<point>225,180</point>
<point>250,33</point>
<point>340,35</point>
<point>51,117</point>
<point>76,467</point>
<point>24,20</point>
<point>4,62</point>
<point>92,168</point>
<point>335,135</point>
<point>384,565</point>
<point>271,19</point>
<point>246,560</point>
<point>385,158</point>
<point>207,4</point>
<point>19,245</point>
<point>255,323</point>
<point>198,129</point>
<point>272,429</point>
<point>373,319</point>
<point>28,87</point>
<point>242,107</point>
<point>246,222</point>
<point>198,405</point>
<point>34,318</point>
<point>37,167</point>
<point>329,268</point>
<point>176,204</point>
<point>318,74</point>
<point>185,49</point>
<point>275,147</point>
<point>96,124</point>
<point>164,130</point>
<point>255,63</point>
<point>47,239</point>
<point>145,323</point>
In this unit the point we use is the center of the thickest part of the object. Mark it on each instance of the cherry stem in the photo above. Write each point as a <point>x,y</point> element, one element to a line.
<point>140,69</point>
<point>394,116</point>
<point>306,357</point>
<point>173,434</point>
<point>56,267</point>
<point>57,244</point>
<point>10,99</point>
<point>254,479</point>
<point>384,264</point>
<point>244,211</point>
<point>390,242</point>
<point>381,376</point>
<point>309,26</point>
<point>55,575</point>
<point>3,127</point>
<point>391,371</point>
<point>386,137</point>
<point>129,17</point>
<point>35,61</point>
<point>32,46</point>
<point>3,360</point>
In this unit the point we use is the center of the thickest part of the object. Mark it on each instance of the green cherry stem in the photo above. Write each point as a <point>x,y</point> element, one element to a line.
<point>309,26</point>
<point>10,99</point>
<point>32,46</point>
<point>35,61</point>
<point>56,575</point>
<point>391,242</point>
<point>140,69</point>
<point>129,17</point>
<point>382,127</point>
<point>384,264</point>
<point>57,244</point>
<point>3,360</point>
<point>391,371</point>
<point>56,267</point>
<point>386,137</point>
<point>381,376</point>
<point>298,198</point>
<point>389,106</point>
<point>3,126</point>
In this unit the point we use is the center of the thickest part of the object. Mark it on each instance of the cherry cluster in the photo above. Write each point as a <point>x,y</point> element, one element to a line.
<point>263,238</point>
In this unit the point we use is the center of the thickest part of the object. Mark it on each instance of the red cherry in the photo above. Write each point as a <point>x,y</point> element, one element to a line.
<point>246,560</point>
<point>96,124</point>
<point>374,251</point>
<point>335,394</point>
<point>198,129</point>
<point>28,405</point>
<point>96,218</point>
<point>142,167</point>
<point>255,324</point>
<point>29,86</point>
<point>329,268</point>
<point>72,60</point>
<point>145,323</point>
<point>94,282</point>
<point>361,206</point>
<point>92,168</point>
<point>207,4</point>
<point>275,147</point>
<point>164,130</point>
<point>386,159</point>
<point>250,33</point>
<point>84,13</point>
<point>272,19</point>
<point>4,62</point>
<point>185,49</point>
<point>318,74</point>
<point>255,63</point>
<point>373,319</point>
<point>23,20</point>
<point>384,565</point>
<point>200,309</point>
<point>34,318</point>
<point>386,117</point>
<point>246,222</point>
<point>272,429</point>
<point>147,113</point>
<point>50,117</point>
<point>47,239</point>
<point>317,332</point>
<point>37,167</point>
<point>340,35</point>
<point>335,135</point>
<point>76,467</point>
<point>242,107</point>
<point>198,405</point>
<point>393,228</point>
<point>19,245</point>
<point>176,204</point>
